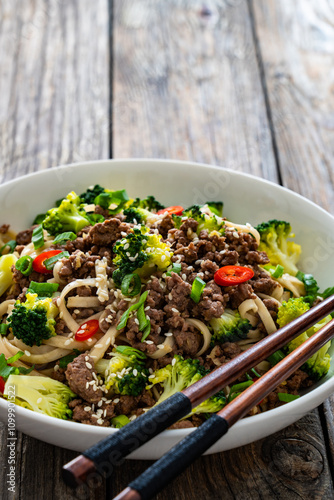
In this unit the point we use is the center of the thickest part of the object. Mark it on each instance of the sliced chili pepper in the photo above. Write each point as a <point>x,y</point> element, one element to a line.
<point>38,262</point>
<point>174,209</point>
<point>87,330</point>
<point>233,275</point>
<point>2,385</point>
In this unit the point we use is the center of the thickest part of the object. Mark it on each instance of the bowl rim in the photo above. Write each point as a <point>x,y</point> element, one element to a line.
<point>301,405</point>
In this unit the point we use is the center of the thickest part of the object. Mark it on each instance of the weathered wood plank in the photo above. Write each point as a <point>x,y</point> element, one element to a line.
<point>186,85</point>
<point>296,41</point>
<point>54,108</point>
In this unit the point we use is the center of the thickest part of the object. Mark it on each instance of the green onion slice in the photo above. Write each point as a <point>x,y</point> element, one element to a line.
<point>42,289</point>
<point>38,237</point>
<point>287,398</point>
<point>238,388</point>
<point>146,331</point>
<point>49,263</point>
<point>63,237</point>
<point>24,265</point>
<point>119,421</point>
<point>10,244</point>
<point>278,272</point>
<point>276,357</point>
<point>131,285</point>
<point>141,316</point>
<point>175,269</point>
<point>3,328</point>
<point>197,289</point>
<point>134,307</point>
<point>39,219</point>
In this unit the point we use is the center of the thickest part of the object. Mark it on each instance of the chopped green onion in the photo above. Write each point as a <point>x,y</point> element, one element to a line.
<point>49,263</point>
<point>175,269</point>
<point>276,357</point>
<point>134,307</point>
<point>146,331</point>
<point>114,197</point>
<point>130,351</point>
<point>3,328</point>
<point>39,219</point>
<point>24,265</point>
<point>10,244</point>
<point>126,284</point>
<point>38,237</point>
<point>63,237</point>
<point>42,289</point>
<point>241,387</point>
<point>255,373</point>
<point>287,398</point>
<point>63,362</point>
<point>278,272</point>
<point>197,289</point>
<point>141,316</point>
<point>119,421</point>
<point>6,369</point>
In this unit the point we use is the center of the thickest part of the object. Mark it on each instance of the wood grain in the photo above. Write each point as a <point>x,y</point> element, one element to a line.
<point>54,108</point>
<point>296,41</point>
<point>187,85</point>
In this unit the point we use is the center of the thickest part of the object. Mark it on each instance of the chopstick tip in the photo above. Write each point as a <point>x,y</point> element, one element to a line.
<point>128,494</point>
<point>76,471</point>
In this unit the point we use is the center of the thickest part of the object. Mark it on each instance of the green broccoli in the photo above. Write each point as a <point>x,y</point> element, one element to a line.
<point>149,203</point>
<point>119,421</point>
<point>318,365</point>
<point>230,327</point>
<point>34,320</point>
<point>177,376</point>
<point>6,275</point>
<point>115,201</point>
<point>211,405</point>
<point>91,193</point>
<point>216,207</point>
<point>136,214</point>
<point>274,236</point>
<point>125,372</point>
<point>69,216</point>
<point>42,395</point>
<point>205,221</point>
<point>142,253</point>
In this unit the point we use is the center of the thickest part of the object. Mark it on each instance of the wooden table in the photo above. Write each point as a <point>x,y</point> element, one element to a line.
<point>242,84</point>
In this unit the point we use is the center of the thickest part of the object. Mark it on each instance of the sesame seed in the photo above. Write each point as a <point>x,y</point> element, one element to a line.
<point>95,416</point>
<point>133,417</point>
<point>147,308</point>
<point>175,310</point>
<point>149,342</point>
<point>27,353</point>
<point>108,341</point>
<point>100,421</point>
<point>150,370</point>
<point>126,246</point>
<point>90,340</point>
<point>135,372</point>
<point>198,262</point>
<point>108,401</point>
<point>184,277</point>
<point>81,331</point>
<point>94,375</point>
<point>159,329</point>
<point>56,368</point>
<point>163,257</point>
<point>89,366</point>
<point>170,296</point>
<point>68,341</point>
<point>160,346</point>
<point>136,321</point>
<point>173,362</point>
<point>87,385</point>
<point>169,334</point>
<point>39,400</point>
<point>116,400</point>
<point>98,345</point>
<point>92,382</point>
<point>86,358</point>
<point>76,311</point>
<point>151,376</point>
<point>235,234</point>
<point>87,408</point>
<point>105,413</point>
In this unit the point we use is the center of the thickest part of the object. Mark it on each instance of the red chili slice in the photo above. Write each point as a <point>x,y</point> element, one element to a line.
<point>38,262</point>
<point>2,385</point>
<point>233,275</point>
<point>87,330</point>
<point>174,209</point>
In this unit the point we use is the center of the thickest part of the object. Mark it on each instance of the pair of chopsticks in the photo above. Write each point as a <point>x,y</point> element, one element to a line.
<point>111,451</point>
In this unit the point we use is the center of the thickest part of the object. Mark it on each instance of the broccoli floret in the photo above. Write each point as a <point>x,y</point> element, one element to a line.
<point>211,405</point>
<point>42,395</point>
<point>91,193</point>
<point>274,236</point>
<point>210,222</point>
<point>6,275</point>
<point>318,365</point>
<point>216,207</point>
<point>115,201</point>
<point>230,327</point>
<point>177,376</point>
<point>194,212</point>
<point>291,310</point>
<point>142,253</point>
<point>136,215</point>
<point>34,320</point>
<point>69,216</point>
<point>150,203</point>
<point>125,372</point>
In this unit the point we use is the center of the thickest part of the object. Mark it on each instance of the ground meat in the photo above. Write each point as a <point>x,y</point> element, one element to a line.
<point>188,340</point>
<point>107,233</point>
<point>297,381</point>
<point>182,424</point>
<point>77,244</point>
<point>253,257</point>
<point>126,404</point>
<point>189,227</point>
<point>61,326</point>
<point>96,415</point>
<point>164,225</point>
<point>239,293</point>
<point>272,307</point>
<point>212,302</point>
<point>187,253</point>
<point>264,285</point>
<point>4,228</point>
<point>59,375</point>
<point>221,354</point>
<point>78,374</point>
<point>179,292</point>
<point>78,266</point>
<point>227,257</point>
<point>208,268</point>
<point>24,237</point>
<point>156,297</point>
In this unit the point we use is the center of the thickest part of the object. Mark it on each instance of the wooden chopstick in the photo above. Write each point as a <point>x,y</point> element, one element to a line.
<point>162,472</point>
<point>159,418</point>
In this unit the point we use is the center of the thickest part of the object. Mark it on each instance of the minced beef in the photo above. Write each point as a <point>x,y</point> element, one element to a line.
<point>80,377</point>
<point>239,293</point>
<point>96,415</point>
<point>107,233</point>
<point>78,266</point>
<point>212,302</point>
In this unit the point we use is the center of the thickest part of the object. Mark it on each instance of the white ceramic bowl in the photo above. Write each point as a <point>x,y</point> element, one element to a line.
<point>246,199</point>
